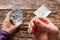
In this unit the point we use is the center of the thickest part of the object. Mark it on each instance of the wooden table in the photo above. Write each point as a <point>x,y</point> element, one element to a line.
<point>28,7</point>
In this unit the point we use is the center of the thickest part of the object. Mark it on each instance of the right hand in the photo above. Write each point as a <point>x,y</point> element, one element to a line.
<point>40,26</point>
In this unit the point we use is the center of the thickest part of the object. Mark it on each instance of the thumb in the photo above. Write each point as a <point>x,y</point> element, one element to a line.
<point>40,24</point>
<point>8,16</point>
<point>18,24</point>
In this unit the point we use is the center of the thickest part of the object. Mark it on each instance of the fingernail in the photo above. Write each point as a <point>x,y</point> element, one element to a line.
<point>37,21</point>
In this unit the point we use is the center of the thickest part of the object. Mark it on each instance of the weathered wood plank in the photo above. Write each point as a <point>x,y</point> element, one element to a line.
<point>22,4</point>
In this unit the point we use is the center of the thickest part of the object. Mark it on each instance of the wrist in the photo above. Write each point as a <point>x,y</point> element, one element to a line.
<point>8,31</point>
<point>42,36</point>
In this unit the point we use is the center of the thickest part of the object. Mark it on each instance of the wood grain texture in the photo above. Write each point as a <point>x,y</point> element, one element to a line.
<point>22,4</point>
<point>28,7</point>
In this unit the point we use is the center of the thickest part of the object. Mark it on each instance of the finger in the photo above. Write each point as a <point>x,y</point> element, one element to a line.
<point>7,19</point>
<point>8,16</point>
<point>45,20</point>
<point>31,28</point>
<point>40,24</point>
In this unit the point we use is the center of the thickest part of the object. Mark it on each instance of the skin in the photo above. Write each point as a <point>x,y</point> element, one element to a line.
<point>40,26</point>
<point>8,26</point>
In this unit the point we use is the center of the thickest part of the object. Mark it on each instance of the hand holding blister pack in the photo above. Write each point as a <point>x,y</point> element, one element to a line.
<point>42,11</point>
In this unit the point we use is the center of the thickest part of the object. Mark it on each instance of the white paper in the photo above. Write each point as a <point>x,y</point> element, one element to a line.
<point>42,11</point>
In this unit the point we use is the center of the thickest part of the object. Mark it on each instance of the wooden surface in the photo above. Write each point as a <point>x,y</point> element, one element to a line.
<point>28,7</point>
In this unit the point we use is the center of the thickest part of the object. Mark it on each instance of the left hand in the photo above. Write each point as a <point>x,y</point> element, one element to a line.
<point>8,26</point>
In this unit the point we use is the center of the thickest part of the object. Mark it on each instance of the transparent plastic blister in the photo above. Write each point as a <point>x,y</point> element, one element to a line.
<point>16,16</point>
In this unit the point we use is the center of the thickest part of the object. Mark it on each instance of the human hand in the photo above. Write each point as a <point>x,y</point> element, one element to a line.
<point>8,26</point>
<point>39,26</point>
